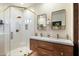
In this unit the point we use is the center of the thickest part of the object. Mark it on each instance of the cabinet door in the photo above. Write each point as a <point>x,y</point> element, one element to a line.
<point>49,49</point>
<point>68,50</point>
<point>33,45</point>
<point>46,45</point>
<point>59,49</point>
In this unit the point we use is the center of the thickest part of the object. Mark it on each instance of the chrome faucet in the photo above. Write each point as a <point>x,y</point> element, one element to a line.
<point>67,36</point>
<point>57,35</point>
<point>41,34</point>
<point>48,35</point>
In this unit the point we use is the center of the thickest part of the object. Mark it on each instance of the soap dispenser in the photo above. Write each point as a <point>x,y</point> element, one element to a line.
<point>41,34</point>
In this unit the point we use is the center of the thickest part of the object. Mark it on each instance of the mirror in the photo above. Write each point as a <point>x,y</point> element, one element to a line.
<point>58,20</point>
<point>41,21</point>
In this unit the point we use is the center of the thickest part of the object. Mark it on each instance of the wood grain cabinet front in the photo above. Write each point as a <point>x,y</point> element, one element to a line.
<point>44,48</point>
<point>33,45</point>
<point>45,45</point>
<point>68,50</point>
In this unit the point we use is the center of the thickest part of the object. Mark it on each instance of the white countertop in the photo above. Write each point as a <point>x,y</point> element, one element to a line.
<point>54,40</point>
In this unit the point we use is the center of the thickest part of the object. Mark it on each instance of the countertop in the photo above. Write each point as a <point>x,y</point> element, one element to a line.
<point>54,40</point>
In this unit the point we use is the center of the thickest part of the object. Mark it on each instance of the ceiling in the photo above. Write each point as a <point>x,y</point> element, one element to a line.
<point>27,5</point>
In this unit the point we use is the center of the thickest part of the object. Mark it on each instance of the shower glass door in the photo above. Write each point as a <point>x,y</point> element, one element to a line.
<point>17,34</point>
<point>17,31</point>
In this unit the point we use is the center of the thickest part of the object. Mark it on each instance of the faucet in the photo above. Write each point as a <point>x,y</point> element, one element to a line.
<point>41,34</point>
<point>67,36</point>
<point>48,35</point>
<point>57,35</point>
<point>36,34</point>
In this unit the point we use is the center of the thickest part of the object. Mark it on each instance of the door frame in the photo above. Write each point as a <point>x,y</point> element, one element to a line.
<point>75,27</point>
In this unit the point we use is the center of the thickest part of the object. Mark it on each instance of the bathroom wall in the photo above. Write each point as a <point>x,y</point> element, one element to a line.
<point>47,9</point>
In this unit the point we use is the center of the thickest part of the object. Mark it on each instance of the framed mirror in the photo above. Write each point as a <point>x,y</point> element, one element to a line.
<point>41,21</point>
<point>58,20</point>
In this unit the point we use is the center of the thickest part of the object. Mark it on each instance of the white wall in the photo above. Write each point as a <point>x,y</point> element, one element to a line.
<point>47,9</point>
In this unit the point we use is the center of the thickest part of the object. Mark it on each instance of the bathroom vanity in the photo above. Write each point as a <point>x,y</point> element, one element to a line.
<point>51,46</point>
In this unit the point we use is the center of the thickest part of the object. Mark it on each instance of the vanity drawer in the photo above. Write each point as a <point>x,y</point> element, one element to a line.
<point>44,48</point>
<point>43,52</point>
<point>50,46</point>
<point>45,45</point>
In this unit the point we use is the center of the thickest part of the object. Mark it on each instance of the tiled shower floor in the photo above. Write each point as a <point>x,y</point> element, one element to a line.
<point>23,51</point>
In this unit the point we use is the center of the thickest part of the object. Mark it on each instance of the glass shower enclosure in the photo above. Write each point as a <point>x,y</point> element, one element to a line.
<point>15,31</point>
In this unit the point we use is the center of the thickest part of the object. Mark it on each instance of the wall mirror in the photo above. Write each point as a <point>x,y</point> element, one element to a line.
<point>41,21</point>
<point>58,20</point>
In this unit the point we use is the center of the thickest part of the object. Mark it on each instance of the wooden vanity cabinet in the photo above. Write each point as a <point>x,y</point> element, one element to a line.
<point>33,45</point>
<point>44,48</point>
<point>68,50</point>
<point>52,49</point>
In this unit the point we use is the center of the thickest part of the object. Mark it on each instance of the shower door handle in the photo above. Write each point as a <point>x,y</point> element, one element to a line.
<point>11,35</point>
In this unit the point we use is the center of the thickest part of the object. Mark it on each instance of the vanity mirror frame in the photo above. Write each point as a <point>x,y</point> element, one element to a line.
<point>58,13</point>
<point>42,28</point>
